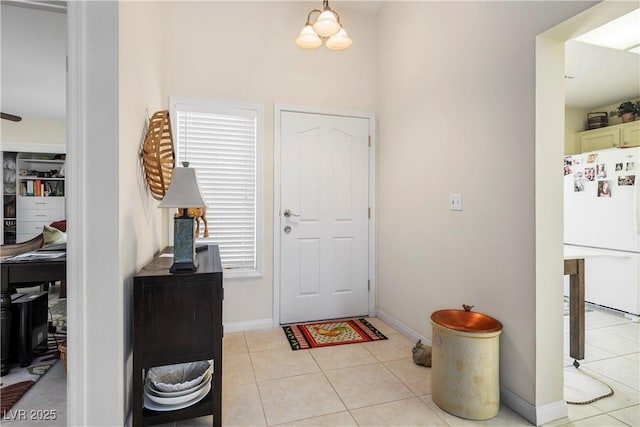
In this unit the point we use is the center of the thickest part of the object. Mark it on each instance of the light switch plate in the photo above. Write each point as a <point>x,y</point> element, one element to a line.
<point>455,201</point>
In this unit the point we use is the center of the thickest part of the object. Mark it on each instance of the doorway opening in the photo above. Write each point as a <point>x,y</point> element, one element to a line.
<point>550,135</point>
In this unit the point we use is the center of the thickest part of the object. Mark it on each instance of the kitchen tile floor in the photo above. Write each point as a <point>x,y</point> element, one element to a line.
<point>375,384</point>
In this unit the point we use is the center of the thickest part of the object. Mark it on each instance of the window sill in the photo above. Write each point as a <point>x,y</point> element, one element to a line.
<point>240,274</point>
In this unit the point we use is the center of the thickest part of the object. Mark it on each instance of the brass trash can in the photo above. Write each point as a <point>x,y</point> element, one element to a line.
<point>465,363</point>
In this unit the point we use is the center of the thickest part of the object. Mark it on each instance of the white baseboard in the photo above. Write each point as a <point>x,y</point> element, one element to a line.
<point>519,405</point>
<point>401,327</point>
<point>247,325</point>
<point>536,415</point>
<point>551,412</point>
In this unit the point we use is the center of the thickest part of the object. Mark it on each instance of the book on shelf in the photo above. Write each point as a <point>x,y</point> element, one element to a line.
<point>41,188</point>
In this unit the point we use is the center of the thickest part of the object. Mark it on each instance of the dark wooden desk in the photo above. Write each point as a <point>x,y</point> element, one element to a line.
<point>575,269</point>
<point>18,272</point>
<point>177,318</point>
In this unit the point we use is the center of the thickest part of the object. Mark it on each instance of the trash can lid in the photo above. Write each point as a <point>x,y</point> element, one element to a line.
<point>466,321</point>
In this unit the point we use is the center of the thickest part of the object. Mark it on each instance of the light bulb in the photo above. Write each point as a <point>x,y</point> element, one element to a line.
<point>339,41</point>
<point>308,39</point>
<point>327,24</point>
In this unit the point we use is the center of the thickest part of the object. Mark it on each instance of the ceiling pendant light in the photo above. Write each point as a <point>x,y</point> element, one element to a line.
<point>339,41</point>
<point>308,39</point>
<point>326,28</point>
<point>327,23</point>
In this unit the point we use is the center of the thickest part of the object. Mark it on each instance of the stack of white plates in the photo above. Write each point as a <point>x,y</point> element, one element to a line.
<point>172,387</point>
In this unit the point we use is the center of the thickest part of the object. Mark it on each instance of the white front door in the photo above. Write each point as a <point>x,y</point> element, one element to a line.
<point>324,201</point>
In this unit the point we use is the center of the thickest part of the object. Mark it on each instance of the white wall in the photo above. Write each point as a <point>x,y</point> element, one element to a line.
<point>28,130</point>
<point>143,227</point>
<point>245,51</point>
<point>95,308</point>
<point>116,79</point>
<point>33,46</point>
<point>457,80</point>
<point>548,403</point>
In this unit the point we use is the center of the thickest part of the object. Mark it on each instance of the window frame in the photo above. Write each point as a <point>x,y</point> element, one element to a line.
<point>221,107</point>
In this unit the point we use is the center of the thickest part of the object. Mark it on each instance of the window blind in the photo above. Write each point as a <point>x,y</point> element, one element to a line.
<point>221,144</point>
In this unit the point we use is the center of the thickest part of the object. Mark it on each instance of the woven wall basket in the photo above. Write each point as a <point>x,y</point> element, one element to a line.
<point>158,157</point>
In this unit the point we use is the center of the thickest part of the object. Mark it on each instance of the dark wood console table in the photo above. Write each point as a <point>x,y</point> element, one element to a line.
<point>178,318</point>
<point>17,272</point>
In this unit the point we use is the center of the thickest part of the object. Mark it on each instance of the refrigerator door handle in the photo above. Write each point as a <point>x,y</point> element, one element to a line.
<point>636,203</point>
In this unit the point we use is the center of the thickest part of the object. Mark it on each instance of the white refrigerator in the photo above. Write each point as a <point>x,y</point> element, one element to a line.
<point>602,218</point>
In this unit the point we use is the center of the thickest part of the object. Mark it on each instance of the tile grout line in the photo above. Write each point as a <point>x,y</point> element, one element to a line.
<point>255,379</point>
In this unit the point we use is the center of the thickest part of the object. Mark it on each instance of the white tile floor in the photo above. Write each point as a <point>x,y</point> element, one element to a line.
<point>375,384</point>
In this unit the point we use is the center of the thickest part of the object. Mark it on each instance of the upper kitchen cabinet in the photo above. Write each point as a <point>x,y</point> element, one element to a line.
<point>631,134</point>
<point>618,136</point>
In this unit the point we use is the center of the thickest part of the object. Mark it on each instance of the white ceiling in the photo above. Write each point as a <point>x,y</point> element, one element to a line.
<point>599,76</point>
<point>33,62</point>
<point>34,52</point>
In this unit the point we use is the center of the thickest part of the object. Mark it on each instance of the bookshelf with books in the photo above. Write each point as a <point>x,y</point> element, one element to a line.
<point>40,192</point>
<point>40,175</point>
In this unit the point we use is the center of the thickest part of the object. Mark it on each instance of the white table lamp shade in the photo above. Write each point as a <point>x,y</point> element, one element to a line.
<point>184,191</point>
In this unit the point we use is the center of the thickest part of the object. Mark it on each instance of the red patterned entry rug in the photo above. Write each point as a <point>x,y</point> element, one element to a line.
<point>333,332</point>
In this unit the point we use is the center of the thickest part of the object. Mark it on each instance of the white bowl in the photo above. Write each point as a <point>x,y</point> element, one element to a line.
<point>178,377</point>
<point>150,388</point>
<point>176,400</point>
<point>150,404</point>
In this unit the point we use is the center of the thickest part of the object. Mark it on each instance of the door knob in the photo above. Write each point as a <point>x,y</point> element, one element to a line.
<point>287,229</point>
<point>287,213</point>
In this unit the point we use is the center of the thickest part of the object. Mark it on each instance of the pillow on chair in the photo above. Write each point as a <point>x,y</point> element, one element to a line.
<point>60,225</point>
<point>53,235</point>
